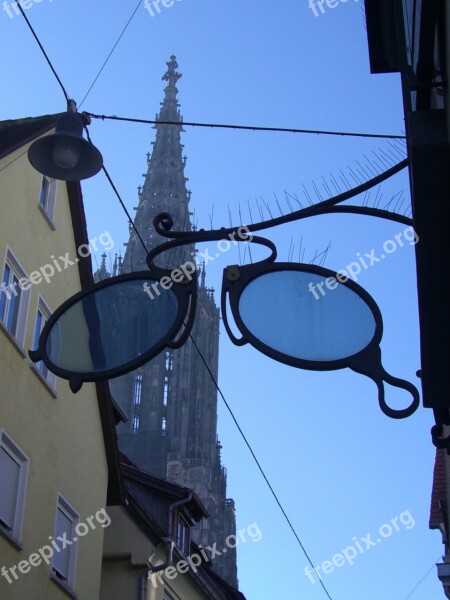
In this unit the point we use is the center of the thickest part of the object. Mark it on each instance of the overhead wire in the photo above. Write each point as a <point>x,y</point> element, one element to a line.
<point>87,132</point>
<point>112,50</point>
<point>189,124</point>
<point>258,464</point>
<point>43,52</point>
<point>68,98</point>
<point>420,581</point>
<point>245,127</point>
<point>108,177</point>
<point>124,208</point>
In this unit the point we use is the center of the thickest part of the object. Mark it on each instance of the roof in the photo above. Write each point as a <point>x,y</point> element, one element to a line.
<point>231,593</point>
<point>438,493</point>
<point>148,522</point>
<point>153,525</point>
<point>173,491</point>
<point>18,132</point>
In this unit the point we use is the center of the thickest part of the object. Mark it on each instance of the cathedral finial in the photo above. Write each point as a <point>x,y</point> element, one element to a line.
<point>169,106</point>
<point>102,273</point>
<point>171,75</point>
<point>203,276</point>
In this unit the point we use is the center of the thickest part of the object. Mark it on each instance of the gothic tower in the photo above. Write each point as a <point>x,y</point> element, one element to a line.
<point>171,402</point>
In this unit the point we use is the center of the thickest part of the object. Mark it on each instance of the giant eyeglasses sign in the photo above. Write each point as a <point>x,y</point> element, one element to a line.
<point>116,326</point>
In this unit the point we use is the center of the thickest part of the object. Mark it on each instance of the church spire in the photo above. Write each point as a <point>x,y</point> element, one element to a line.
<point>171,402</point>
<point>164,188</point>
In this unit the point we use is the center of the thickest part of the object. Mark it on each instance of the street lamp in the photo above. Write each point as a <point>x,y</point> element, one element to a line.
<point>66,154</point>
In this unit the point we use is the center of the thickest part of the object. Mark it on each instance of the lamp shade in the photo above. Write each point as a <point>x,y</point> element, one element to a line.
<point>66,154</point>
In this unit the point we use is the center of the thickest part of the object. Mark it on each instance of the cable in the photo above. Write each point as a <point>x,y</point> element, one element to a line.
<point>124,207</point>
<point>87,132</point>
<point>245,127</point>
<point>423,578</point>
<point>108,176</point>
<point>43,51</point>
<point>256,461</point>
<point>109,55</point>
<point>189,124</point>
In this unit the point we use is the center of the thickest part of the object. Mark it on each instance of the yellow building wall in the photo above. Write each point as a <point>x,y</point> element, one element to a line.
<point>126,552</point>
<point>61,435</point>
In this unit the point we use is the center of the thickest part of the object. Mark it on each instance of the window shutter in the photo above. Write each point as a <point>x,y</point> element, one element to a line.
<point>3,296</point>
<point>61,559</point>
<point>9,478</point>
<point>44,193</point>
<point>12,320</point>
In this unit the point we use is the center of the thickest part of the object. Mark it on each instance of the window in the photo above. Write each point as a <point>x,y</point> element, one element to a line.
<point>169,361</point>
<point>64,561</point>
<point>182,533</point>
<point>47,197</point>
<point>165,390</point>
<point>14,298</point>
<point>135,425</point>
<point>14,470</point>
<point>42,316</point>
<point>138,390</point>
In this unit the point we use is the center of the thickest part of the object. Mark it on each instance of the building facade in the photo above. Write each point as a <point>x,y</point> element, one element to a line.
<point>411,37</point>
<point>148,552</point>
<point>171,402</point>
<point>59,465</point>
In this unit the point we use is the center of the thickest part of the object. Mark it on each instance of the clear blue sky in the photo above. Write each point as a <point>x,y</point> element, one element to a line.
<point>339,466</point>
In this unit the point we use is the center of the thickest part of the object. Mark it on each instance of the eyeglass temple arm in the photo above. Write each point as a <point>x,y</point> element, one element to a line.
<point>369,364</point>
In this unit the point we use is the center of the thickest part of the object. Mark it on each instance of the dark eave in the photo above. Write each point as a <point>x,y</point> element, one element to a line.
<point>172,490</point>
<point>432,16</point>
<point>230,592</point>
<point>116,492</point>
<point>119,415</point>
<point>18,132</point>
<point>382,36</point>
